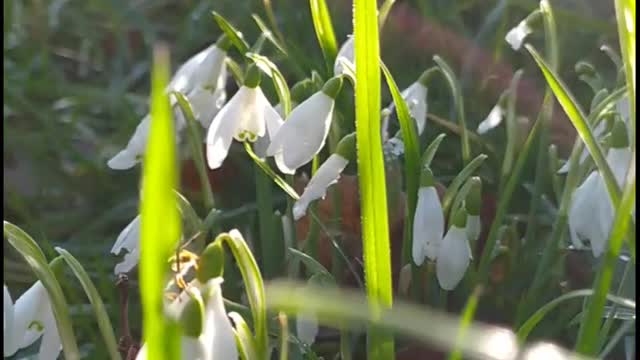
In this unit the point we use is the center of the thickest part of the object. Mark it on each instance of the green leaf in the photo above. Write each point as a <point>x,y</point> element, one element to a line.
<point>31,252</point>
<point>236,71</point>
<point>371,175</point>
<point>512,127</point>
<point>234,35</point>
<point>312,265</point>
<point>431,150</point>
<point>324,31</point>
<point>459,180</point>
<point>530,324</point>
<point>244,338</point>
<point>254,286</point>
<point>106,328</point>
<point>272,174</point>
<point>268,34</point>
<point>160,220</point>
<point>384,12</point>
<point>626,18</point>
<point>465,322</point>
<point>456,91</point>
<point>279,81</point>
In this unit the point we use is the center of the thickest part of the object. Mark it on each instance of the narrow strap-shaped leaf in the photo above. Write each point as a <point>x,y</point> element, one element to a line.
<point>431,150</point>
<point>244,338</point>
<point>106,328</point>
<point>268,34</point>
<point>312,264</point>
<point>324,31</point>
<point>460,179</point>
<point>234,35</point>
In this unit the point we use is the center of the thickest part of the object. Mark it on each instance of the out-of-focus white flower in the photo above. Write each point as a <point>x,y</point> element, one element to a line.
<point>327,174</point>
<point>472,205</point>
<point>591,199</point>
<point>305,131</point>
<point>428,221</point>
<point>307,328</point>
<point>243,118</point>
<point>416,98</point>
<point>30,318</point>
<point>494,118</point>
<point>515,37</point>
<point>202,80</point>
<point>346,54</point>
<point>129,239</point>
<point>454,253</point>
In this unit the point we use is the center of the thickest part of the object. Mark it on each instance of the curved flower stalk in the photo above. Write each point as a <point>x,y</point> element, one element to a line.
<point>327,174</point>
<point>497,113</point>
<point>202,80</point>
<point>129,239</point>
<point>428,222</point>
<point>244,118</point>
<point>30,318</point>
<point>472,206</point>
<point>515,37</point>
<point>208,333</point>
<point>454,253</point>
<point>591,212</point>
<point>416,98</point>
<point>346,55</point>
<point>305,131</point>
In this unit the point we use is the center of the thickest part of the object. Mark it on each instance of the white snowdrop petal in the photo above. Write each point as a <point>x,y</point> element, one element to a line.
<point>326,175</point>
<point>590,199</point>
<point>129,261</point>
<point>51,344</point>
<point>305,131</point>
<point>122,161</point>
<point>428,225</point>
<point>128,238</point>
<point>515,37</point>
<point>618,159</point>
<point>29,313</point>
<point>273,121</point>
<point>217,335</point>
<point>225,126</point>
<point>416,98</point>
<point>142,353</point>
<point>473,227</point>
<point>453,258</point>
<point>10,344</point>
<point>345,53</point>
<point>253,119</point>
<point>206,104</point>
<point>307,328</point>
<point>493,119</point>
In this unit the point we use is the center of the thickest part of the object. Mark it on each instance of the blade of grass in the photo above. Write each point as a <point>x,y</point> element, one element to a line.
<point>467,318</point>
<point>268,34</point>
<point>31,252</point>
<point>371,175</point>
<point>626,18</point>
<point>324,31</point>
<point>234,35</point>
<point>385,8</point>
<point>459,180</point>
<point>431,150</point>
<point>160,221</point>
<point>104,324</point>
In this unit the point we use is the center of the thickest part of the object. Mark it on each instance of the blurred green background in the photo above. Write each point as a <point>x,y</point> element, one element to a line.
<point>76,83</point>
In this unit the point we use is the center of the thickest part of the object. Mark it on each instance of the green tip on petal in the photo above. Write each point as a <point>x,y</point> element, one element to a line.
<point>347,147</point>
<point>192,316</point>
<point>223,43</point>
<point>460,218</point>
<point>619,135</point>
<point>302,90</point>
<point>252,76</point>
<point>426,178</point>
<point>211,262</point>
<point>333,86</point>
<point>473,200</point>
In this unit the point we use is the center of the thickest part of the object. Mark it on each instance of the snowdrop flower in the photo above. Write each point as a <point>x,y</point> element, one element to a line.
<point>305,131</point>
<point>472,206</point>
<point>428,221</point>
<point>207,331</point>
<point>307,328</point>
<point>202,80</point>
<point>515,37</point>
<point>416,98</point>
<point>128,239</point>
<point>454,253</point>
<point>592,199</point>
<point>30,318</point>
<point>346,54</point>
<point>327,174</point>
<point>244,117</point>
<point>497,113</point>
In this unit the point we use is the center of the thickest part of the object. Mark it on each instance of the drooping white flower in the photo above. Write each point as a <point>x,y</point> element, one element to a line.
<point>327,174</point>
<point>129,239</point>
<point>205,69</point>
<point>415,97</point>
<point>307,328</point>
<point>454,253</point>
<point>428,221</point>
<point>346,55</point>
<point>515,37</point>
<point>243,118</point>
<point>305,131</point>
<point>30,318</point>
<point>591,213</point>
<point>494,118</point>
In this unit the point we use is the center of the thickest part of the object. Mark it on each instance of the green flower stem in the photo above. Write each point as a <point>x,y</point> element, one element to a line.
<point>271,246</point>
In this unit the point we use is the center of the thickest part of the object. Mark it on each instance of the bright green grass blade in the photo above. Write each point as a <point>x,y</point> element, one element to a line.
<point>106,328</point>
<point>234,35</point>
<point>324,31</point>
<point>279,82</point>
<point>160,221</point>
<point>530,324</point>
<point>371,175</point>
<point>31,252</point>
<point>412,159</point>
<point>626,16</point>
<point>456,91</point>
<point>195,141</point>
<point>254,286</point>
<point>589,328</point>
